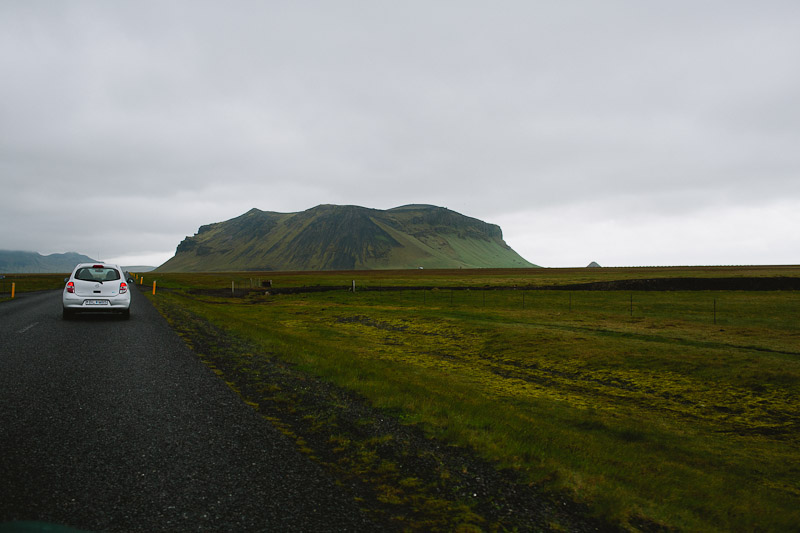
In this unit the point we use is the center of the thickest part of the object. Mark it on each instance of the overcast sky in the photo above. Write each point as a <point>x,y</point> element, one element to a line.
<point>622,132</point>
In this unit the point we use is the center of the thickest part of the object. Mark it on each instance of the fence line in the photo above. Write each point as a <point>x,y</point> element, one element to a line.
<point>711,307</point>
<point>701,306</point>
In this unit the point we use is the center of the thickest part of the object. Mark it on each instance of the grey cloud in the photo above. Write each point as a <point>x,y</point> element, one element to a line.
<point>508,108</point>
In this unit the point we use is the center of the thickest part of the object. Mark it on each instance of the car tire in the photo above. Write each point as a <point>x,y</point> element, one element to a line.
<point>66,314</point>
<point>126,314</point>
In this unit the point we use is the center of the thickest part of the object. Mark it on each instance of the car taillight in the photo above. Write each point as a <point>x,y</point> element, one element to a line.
<point>70,287</point>
<point>123,287</point>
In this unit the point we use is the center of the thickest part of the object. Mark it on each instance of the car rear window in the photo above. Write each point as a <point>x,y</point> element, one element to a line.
<point>97,274</point>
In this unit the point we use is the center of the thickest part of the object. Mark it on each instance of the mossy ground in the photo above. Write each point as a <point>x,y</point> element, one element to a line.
<point>404,479</point>
<point>656,409</point>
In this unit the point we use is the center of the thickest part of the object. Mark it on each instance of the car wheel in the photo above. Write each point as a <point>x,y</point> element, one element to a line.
<point>126,314</point>
<point>66,314</point>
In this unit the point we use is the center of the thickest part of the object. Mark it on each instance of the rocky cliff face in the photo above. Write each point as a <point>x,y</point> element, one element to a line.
<point>332,237</point>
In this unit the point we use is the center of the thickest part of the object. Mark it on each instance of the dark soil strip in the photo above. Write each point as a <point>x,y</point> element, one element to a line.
<point>688,284</point>
<point>781,283</point>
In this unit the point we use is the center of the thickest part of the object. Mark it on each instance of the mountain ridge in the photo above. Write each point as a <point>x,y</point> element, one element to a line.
<point>23,262</point>
<point>346,237</point>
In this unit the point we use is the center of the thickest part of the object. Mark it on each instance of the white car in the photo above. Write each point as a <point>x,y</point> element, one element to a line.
<point>96,287</point>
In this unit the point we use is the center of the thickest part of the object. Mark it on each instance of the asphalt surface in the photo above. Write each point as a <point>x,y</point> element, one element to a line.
<point>114,425</point>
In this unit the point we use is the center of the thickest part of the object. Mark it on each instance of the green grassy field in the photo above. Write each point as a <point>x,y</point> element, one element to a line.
<point>681,408</point>
<point>29,282</point>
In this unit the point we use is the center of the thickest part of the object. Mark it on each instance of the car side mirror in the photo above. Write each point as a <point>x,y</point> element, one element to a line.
<point>66,279</point>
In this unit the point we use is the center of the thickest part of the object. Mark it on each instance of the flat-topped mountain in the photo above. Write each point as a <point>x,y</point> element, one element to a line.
<point>334,237</point>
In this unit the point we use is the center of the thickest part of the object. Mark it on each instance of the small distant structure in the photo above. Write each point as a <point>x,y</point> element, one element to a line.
<point>593,265</point>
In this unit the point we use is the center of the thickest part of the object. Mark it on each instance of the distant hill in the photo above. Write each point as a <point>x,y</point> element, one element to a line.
<point>137,268</point>
<point>333,237</point>
<point>34,263</point>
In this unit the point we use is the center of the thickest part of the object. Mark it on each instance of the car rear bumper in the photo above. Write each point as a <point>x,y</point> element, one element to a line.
<point>98,304</point>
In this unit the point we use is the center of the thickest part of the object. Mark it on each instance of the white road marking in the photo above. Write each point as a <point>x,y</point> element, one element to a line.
<point>26,328</point>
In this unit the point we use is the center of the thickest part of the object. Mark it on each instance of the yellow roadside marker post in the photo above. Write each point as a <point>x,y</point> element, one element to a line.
<point>13,290</point>
<point>154,288</point>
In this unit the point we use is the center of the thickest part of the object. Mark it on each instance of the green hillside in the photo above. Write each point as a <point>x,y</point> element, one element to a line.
<point>332,237</point>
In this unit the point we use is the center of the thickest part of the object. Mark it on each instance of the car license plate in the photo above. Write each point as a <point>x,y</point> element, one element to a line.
<point>95,302</point>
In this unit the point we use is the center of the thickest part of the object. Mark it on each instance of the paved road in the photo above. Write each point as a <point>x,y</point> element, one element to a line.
<point>113,425</point>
